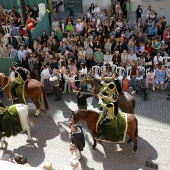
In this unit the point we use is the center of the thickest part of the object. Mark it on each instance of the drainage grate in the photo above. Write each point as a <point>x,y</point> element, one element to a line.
<point>150,164</point>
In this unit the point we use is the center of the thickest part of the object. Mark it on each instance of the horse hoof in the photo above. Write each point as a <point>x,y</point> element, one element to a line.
<point>93,147</point>
<point>35,115</point>
<point>28,139</point>
<point>42,109</point>
<point>134,150</point>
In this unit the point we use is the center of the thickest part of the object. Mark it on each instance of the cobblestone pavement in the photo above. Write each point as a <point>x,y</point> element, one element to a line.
<point>51,139</point>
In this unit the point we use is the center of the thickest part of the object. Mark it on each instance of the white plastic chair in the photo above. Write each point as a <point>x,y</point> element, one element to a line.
<point>121,72</point>
<point>96,70</point>
<point>165,59</point>
<point>128,72</point>
<point>42,10</point>
<point>101,69</point>
<point>140,76</point>
<point>114,68</point>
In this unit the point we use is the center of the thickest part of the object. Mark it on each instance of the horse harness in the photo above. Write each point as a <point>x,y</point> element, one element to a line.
<point>76,113</point>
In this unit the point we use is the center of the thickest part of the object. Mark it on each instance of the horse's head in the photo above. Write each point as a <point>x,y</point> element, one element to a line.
<point>74,118</point>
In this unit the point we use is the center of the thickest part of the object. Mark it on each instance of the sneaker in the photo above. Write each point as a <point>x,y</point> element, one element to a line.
<point>168,98</point>
<point>157,87</point>
<point>133,92</point>
<point>153,88</point>
<point>64,91</point>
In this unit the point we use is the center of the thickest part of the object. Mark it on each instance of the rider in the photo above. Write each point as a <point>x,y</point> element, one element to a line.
<point>20,77</point>
<point>113,88</point>
<point>110,109</point>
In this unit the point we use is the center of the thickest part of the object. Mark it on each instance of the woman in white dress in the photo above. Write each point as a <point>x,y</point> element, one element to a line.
<point>148,12</point>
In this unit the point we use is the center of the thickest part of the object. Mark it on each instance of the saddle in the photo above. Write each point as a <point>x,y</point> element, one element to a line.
<point>20,93</point>
<point>115,130</point>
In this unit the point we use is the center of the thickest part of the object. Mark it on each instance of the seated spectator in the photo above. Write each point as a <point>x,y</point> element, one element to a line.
<point>163,48</point>
<point>2,19</point>
<point>11,52</point>
<point>148,48</point>
<point>29,11</point>
<point>98,57</point>
<point>141,50</point>
<point>35,12</point>
<point>69,27</point>
<point>148,61</point>
<point>81,56</point>
<point>107,57</point>
<point>155,46</point>
<point>12,41</point>
<point>116,58</point>
<point>150,78</point>
<point>59,35</point>
<point>157,60</point>
<point>14,30</point>
<point>14,12</point>
<point>124,59</point>
<point>131,56</point>
<point>3,39</point>
<point>79,26</point>
<point>44,37</point>
<point>3,50</point>
<point>160,74</point>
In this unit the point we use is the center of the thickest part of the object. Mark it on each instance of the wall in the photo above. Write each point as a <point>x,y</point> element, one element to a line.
<point>16,3</point>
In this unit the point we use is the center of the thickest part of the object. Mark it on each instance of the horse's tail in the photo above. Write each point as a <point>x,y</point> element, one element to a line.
<point>133,104</point>
<point>43,98</point>
<point>30,118</point>
<point>136,130</point>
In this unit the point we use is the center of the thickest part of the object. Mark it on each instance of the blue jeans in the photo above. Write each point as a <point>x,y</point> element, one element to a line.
<point>133,83</point>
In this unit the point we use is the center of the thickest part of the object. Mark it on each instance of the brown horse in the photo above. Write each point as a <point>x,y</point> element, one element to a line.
<point>33,89</point>
<point>91,118</point>
<point>126,102</point>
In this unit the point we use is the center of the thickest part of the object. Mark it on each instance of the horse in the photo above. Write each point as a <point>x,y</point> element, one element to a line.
<point>24,117</point>
<point>91,118</point>
<point>33,89</point>
<point>126,102</point>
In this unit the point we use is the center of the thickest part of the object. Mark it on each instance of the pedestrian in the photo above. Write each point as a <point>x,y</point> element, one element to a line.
<point>125,9</point>
<point>138,13</point>
<point>134,73</point>
<point>74,151</point>
<point>55,79</point>
<point>77,137</point>
<point>71,9</point>
<point>82,99</point>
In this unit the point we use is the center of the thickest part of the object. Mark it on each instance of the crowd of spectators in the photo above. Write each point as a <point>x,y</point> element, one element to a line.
<point>96,43</point>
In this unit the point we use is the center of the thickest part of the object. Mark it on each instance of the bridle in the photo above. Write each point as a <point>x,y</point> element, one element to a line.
<point>77,114</point>
<point>3,88</point>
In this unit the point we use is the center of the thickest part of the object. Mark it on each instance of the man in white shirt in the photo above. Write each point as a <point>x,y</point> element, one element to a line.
<point>79,26</point>
<point>22,54</point>
<point>131,56</point>
<point>55,25</point>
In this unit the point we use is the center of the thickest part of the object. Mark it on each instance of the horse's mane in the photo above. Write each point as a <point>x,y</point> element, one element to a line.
<point>98,81</point>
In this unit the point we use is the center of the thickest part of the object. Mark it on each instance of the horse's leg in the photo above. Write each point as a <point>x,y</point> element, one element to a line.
<point>37,104</point>
<point>28,132</point>
<point>131,131</point>
<point>2,142</point>
<point>94,140</point>
<point>129,140</point>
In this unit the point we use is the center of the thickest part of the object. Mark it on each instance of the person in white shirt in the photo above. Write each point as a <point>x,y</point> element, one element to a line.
<point>96,11</point>
<point>22,54</point>
<point>55,25</point>
<point>131,56</point>
<point>79,26</point>
<point>66,83</point>
<point>158,59</point>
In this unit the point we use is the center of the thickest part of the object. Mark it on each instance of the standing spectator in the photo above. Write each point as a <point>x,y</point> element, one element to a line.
<point>63,26</point>
<point>138,13</point>
<point>96,11</point>
<point>116,58</point>
<point>55,79</point>
<point>79,26</point>
<point>55,25</point>
<point>82,99</point>
<point>124,59</point>
<point>14,11</point>
<point>22,55</point>
<point>150,78</point>
<point>29,11</point>
<point>44,37</point>
<point>125,9</point>
<point>35,12</point>
<point>148,12</point>
<point>134,73</point>
<point>71,9</point>
<point>91,10</point>
<point>77,137</point>
<point>145,31</point>
<point>75,151</point>
<point>66,83</point>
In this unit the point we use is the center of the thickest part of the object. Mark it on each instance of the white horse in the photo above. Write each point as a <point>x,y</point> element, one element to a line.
<point>24,116</point>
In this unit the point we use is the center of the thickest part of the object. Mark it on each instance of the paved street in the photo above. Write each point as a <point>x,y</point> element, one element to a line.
<point>51,140</point>
<point>50,135</point>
